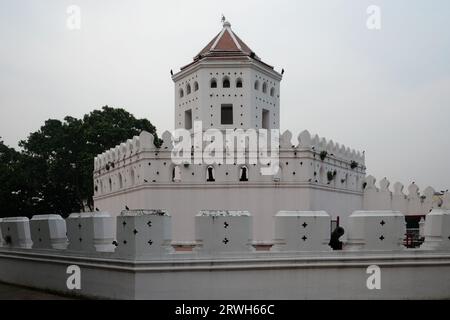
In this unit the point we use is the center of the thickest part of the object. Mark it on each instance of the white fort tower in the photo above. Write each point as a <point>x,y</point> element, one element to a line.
<point>227,86</point>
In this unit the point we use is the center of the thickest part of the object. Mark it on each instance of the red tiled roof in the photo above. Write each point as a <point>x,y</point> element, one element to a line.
<point>226,45</point>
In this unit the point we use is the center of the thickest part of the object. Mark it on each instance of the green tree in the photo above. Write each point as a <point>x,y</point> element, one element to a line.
<point>54,170</point>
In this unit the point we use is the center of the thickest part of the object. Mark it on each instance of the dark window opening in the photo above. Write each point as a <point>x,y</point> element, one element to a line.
<point>188,119</point>
<point>226,115</point>
<point>210,174</point>
<point>226,83</point>
<point>244,174</point>
<point>265,119</point>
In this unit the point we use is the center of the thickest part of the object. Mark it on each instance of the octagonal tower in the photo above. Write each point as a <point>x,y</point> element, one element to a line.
<point>227,86</point>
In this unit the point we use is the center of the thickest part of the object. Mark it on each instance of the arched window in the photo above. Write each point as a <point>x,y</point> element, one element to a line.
<point>213,83</point>
<point>243,175</point>
<point>210,174</point>
<point>226,82</point>
<point>176,174</point>
<point>256,85</point>
<point>239,83</point>
<point>264,87</point>
<point>188,88</point>
<point>272,91</point>
<point>195,86</point>
<point>181,93</point>
<point>120,181</point>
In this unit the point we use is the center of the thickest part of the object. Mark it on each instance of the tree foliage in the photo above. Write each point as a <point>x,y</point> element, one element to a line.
<point>53,172</point>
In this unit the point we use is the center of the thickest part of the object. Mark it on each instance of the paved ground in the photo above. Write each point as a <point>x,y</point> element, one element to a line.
<point>10,292</point>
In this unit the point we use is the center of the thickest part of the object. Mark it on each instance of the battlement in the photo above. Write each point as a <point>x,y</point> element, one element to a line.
<point>310,160</point>
<point>414,203</point>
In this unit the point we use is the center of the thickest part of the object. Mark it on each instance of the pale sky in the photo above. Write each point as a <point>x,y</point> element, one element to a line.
<point>383,91</point>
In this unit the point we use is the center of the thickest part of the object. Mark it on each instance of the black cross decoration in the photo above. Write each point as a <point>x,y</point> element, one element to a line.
<point>304,225</point>
<point>448,237</point>
<point>124,241</point>
<point>135,231</point>
<point>79,226</point>
<point>304,238</point>
<point>124,223</point>
<point>225,224</point>
<point>382,223</point>
<point>115,243</point>
<point>150,242</point>
<point>225,241</point>
<point>149,224</point>
<point>381,238</point>
<point>40,240</point>
<point>80,239</point>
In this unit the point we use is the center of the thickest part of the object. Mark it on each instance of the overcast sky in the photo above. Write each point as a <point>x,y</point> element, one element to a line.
<point>384,91</point>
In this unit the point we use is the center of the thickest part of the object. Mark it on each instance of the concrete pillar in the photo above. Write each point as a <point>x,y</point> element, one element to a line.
<point>220,231</point>
<point>375,230</point>
<point>143,234</point>
<point>437,230</point>
<point>90,232</point>
<point>16,232</point>
<point>48,232</point>
<point>302,231</point>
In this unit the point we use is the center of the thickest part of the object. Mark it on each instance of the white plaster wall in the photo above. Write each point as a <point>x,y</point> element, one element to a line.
<point>183,202</point>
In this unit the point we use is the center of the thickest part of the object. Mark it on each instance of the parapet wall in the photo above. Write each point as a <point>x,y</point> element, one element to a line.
<point>310,160</point>
<point>147,233</point>
<point>300,266</point>
<point>413,203</point>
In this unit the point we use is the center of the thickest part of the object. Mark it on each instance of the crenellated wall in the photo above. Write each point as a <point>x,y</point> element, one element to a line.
<point>138,162</point>
<point>412,203</point>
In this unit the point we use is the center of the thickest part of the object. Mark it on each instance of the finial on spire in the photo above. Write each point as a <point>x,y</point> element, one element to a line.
<point>224,21</point>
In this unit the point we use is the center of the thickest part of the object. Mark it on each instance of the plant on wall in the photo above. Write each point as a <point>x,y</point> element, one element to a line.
<point>323,155</point>
<point>353,164</point>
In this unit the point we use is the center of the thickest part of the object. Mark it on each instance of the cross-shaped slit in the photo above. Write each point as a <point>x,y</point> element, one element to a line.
<point>225,224</point>
<point>135,231</point>
<point>225,241</point>
<point>80,239</point>
<point>149,224</point>
<point>382,222</point>
<point>115,243</point>
<point>381,238</point>
<point>79,226</point>
<point>304,238</point>
<point>124,241</point>
<point>150,242</point>
<point>124,223</point>
<point>304,225</point>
